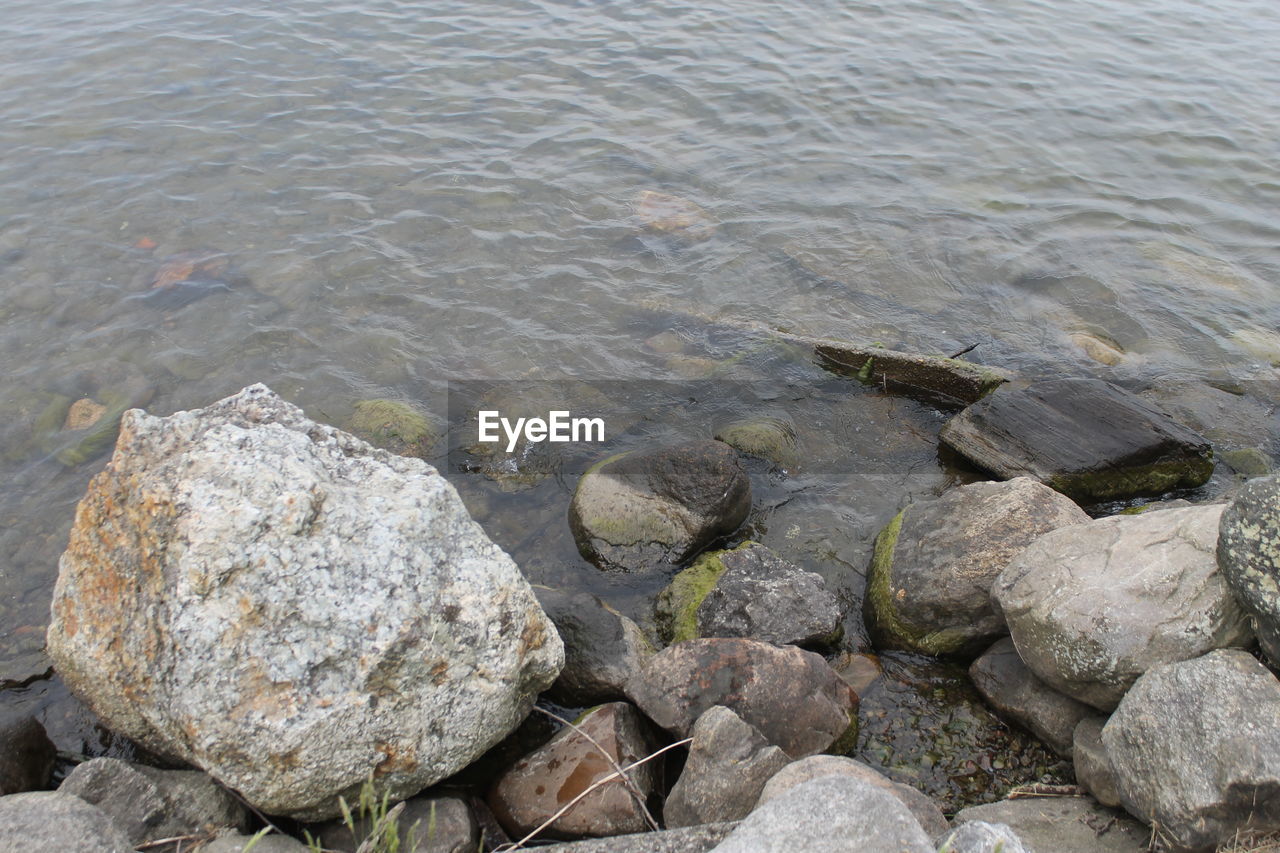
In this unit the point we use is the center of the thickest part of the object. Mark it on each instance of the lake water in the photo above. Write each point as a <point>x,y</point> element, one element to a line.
<point>420,193</point>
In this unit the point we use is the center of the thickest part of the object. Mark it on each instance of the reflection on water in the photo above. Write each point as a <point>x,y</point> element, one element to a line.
<point>417,193</point>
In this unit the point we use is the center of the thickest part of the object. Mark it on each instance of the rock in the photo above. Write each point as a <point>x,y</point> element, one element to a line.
<point>1101,350</point>
<point>929,586</point>
<point>922,808</point>
<point>674,216</point>
<point>686,839</point>
<point>791,696</point>
<point>1093,765</point>
<point>602,648</point>
<point>729,763</point>
<point>150,804</point>
<point>1016,694</point>
<point>548,779</point>
<point>1196,749</point>
<point>1062,825</point>
<point>977,836</point>
<point>435,824</point>
<point>1087,438</point>
<point>1093,606</point>
<point>749,592</point>
<point>771,437</point>
<point>394,426</point>
<point>858,670</point>
<point>236,843</point>
<point>830,814</point>
<point>26,756</point>
<point>84,413</point>
<point>322,609</point>
<point>933,379</point>
<point>1249,554</point>
<point>655,509</point>
<point>51,821</point>
<point>1248,461</point>
<point>190,276</point>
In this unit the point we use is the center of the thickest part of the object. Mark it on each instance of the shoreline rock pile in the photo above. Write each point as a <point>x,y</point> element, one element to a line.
<point>293,613</point>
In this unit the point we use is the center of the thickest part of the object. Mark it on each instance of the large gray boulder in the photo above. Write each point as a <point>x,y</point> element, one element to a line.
<point>1249,554</point>
<point>1196,749</point>
<point>38,821</point>
<point>1093,606</point>
<point>830,814</point>
<point>649,510</point>
<point>291,609</point>
<point>748,592</point>
<point>1062,825</point>
<point>1087,438</point>
<point>929,587</point>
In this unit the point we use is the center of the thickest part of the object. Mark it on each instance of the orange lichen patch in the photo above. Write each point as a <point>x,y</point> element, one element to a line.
<point>438,675</point>
<point>395,760</point>
<point>670,214</point>
<point>262,697</point>
<point>284,761</point>
<point>84,413</point>
<point>533,636</point>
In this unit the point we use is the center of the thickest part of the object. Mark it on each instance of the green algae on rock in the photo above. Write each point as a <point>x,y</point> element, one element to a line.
<point>769,437</point>
<point>933,379</point>
<point>393,425</point>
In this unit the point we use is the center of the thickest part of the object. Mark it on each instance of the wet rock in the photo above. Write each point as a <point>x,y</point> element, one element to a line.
<point>858,670</point>
<point>771,437</point>
<point>749,592</point>
<point>729,763</point>
<point>1017,694</point>
<point>544,782</point>
<point>1088,439</point>
<point>394,426</point>
<point>1196,749</point>
<point>933,379</point>
<point>26,756</point>
<point>1093,765</point>
<point>322,608</point>
<point>923,809</point>
<point>686,839</point>
<point>929,586</point>
<point>1248,461</point>
<point>150,804</point>
<point>674,216</point>
<point>654,509</point>
<point>1101,350</point>
<point>1093,606</point>
<point>434,824</point>
<point>1249,554</point>
<point>235,842</point>
<point>791,696</point>
<point>602,648</point>
<point>977,836</point>
<point>190,276</point>
<point>827,815</point>
<point>84,413</point>
<point>1063,825</point>
<point>53,821</point>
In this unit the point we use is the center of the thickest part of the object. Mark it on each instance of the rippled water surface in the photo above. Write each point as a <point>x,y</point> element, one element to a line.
<point>412,193</point>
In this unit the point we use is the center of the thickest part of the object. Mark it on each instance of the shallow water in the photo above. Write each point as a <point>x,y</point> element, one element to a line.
<point>414,194</point>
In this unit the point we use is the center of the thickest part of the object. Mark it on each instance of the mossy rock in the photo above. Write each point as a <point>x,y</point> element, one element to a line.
<point>772,438</point>
<point>1248,461</point>
<point>676,609</point>
<point>394,426</point>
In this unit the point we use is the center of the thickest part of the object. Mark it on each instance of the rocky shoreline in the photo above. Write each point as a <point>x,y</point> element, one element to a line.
<point>301,630</point>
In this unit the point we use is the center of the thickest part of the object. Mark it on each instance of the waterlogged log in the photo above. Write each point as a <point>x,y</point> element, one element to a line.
<point>933,379</point>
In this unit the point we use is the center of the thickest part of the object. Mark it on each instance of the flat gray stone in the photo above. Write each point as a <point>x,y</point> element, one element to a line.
<point>1093,606</point>
<point>686,839</point>
<point>1092,764</point>
<point>1249,554</point>
<point>436,824</point>
<point>603,649</point>
<point>976,836</point>
<point>235,843</point>
<point>1196,749</point>
<point>38,821</point>
<point>1063,825</point>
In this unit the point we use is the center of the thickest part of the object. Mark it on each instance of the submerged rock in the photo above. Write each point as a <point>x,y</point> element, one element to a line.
<point>933,379</point>
<point>394,426</point>
<point>791,696</point>
<point>748,592</point>
<point>54,821</point>
<point>771,437</point>
<point>929,586</point>
<point>542,783</point>
<point>1249,554</point>
<point>674,216</point>
<point>1017,694</point>
<point>1196,749</point>
<point>290,609</point>
<point>190,276</point>
<point>1088,439</point>
<point>603,649</point>
<point>654,509</point>
<point>1093,606</point>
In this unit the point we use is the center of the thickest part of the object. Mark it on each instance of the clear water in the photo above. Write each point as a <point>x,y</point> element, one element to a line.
<point>425,192</point>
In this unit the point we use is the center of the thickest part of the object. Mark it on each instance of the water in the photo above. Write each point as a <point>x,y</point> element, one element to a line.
<point>419,193</point>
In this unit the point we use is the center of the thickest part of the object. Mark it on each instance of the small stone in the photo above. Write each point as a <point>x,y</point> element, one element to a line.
<point>1196,749</point>
<point>1103,351</point>
<point>929,586</point>
<point>394,426</point>
<point>771,437</point>
<point>1093,765</point>
<point>435,824</point>
<point>858,670</point>
<point>790,696</point>
<point>674,216</point>
<point>654,509</point>
<point>1248,461</point>
<point>977,836</point>
<point>551,777</point>
<point>58,823</point>
<point>26,756</point>
<point>686,839</point>
<point>749,592</point>
<point>665,343</point>
<point>1063,825</point>
<point>1088,439</point>
<point>603,649</point>
<point>1093,606</point>
<point>1249,554</point>
<point>234,842</point>
<point>1017,694</point>
<point>728,765</point>
<point>84,413</point>
<point>925,810</point>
